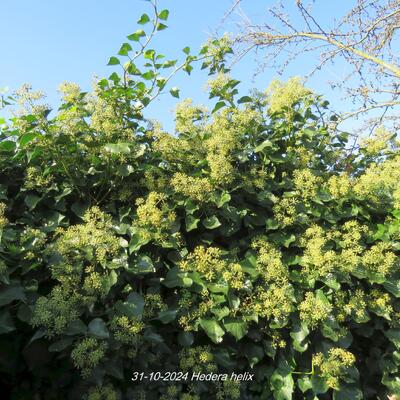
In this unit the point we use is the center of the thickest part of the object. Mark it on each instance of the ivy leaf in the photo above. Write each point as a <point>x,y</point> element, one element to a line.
<point>125,49</point>
<point>136,303</point>
<point>167,316</point>
<point>304,384</point>
<point>191,222</point>
<point>174,92</point>
<point>254,353</point>
<point>299,333</point>
<point>6,322</point>
<point>10,293</point>
<point>7,145</point>
<point>222,199</point>
<point>393,286</point>
<point>347,392</point>
<point>144,19</point>
<point>265,144</point>
<point>163,15</point>
<point>176,278</point>
<point>76,327</point>
<point>31,201</point>
<point>236,327</point>
<point>220,313</point>
<point>211,222</point>
<point>394,336</point>
<point>136,35</point>
<point>97,328</point>
<point>319,385</point>
<point>218,106</point>
<point>161,26</point>
<point>60,345</point>
<point>212,329</point>
<point>144,265</point>
<point>185,339</point>
<point>245,99</point>
<point>79,208</point>
<point>113,61</point>
<point>27,138</point>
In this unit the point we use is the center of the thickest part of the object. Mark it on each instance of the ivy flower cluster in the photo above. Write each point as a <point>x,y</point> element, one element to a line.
<point>55,311</point>
<point>333,366</point>
<point>3,218</point>
<point>197,359</point>
<point>209,263</point>
<point>88,353</point>
<point>105,392</point>
<point>126,330</point>
<point>154,217</point>
<point>314,310</point>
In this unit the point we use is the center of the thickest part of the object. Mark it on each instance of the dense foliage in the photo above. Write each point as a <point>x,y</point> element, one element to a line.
<point>251,240</point>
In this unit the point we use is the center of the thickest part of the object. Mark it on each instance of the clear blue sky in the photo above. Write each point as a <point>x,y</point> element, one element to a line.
<point>47,42</point>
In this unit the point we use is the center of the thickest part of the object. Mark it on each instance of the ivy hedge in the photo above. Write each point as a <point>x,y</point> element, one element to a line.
<point>252,241</point>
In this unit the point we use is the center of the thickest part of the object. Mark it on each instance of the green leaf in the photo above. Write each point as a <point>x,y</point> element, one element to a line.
<point>117,148</point>
<point>31,201</point>
<point>271,224</point>
<point>220,312</point>
<point>176,278</point>
<point>186,50</point>
<point>218,106</point>
<point>185,339</point>
<point>212,329</point>
<point>6,322</point>
<point>393,286</point>
<point>97,328</point>
<point>148,75</point>
<point>79,208</point>
<point>136,35</point>
<point>27,138</point>
<point>254,353</point>
<point>7,145</point>
<point>113,61</point>
<point>125,49</point>
<point>265,144</point>
<point>282,382</point>
<point>136,303</point>
<point>222,199</point>
<point>299,333</point>
<point>319,385</point>
<point>191,222</point>
<point>144,265</point>
<point>76,327</point>
<point>167,316</point>
<point>304,384</point>
<point>52,221</point>
<point>10,293</point>
<point>245,99</point>
<point>161,26</point>
<point>152,337</point>
<point>137,241</point>
<point>163,15</point>
<point>237,328</point>
<point>218,288</point>
<point>60,345</point>
<point>394,336</point>
<point>211,222</point>
<point>144,19</point>
<point>347,392</point>
<point>174,92</point>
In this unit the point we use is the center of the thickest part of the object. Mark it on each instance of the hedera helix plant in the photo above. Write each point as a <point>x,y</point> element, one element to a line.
<point>250,240</point>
